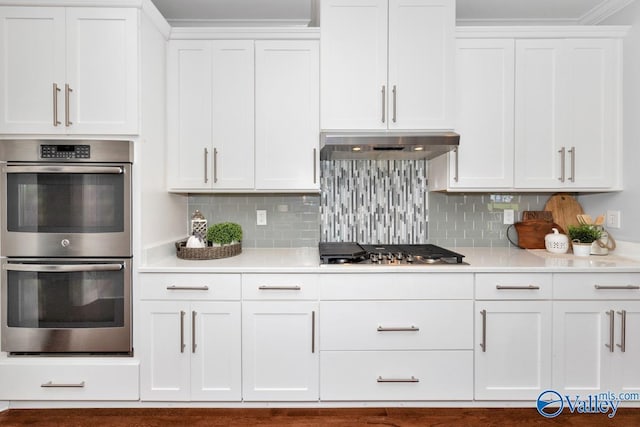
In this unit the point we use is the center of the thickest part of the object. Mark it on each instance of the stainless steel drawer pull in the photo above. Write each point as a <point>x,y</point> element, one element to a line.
<point>612,320</point>
<point>182,345</point>
<point>206,165</point>
<point>394,102</point>
<point>572,151</point>
<point>398,380</point>
<point>483,344</point>
<point>193,331</point>
<point>405,329</point>
<point>456,167</point>
<point>215,165</point>
<point>617,287</point>
<point>313,331</point>
<point>516,288</point>
<point>279,288</point>
<point>384,102</point>
<point>51,384</point>
<point>623,331</point>
<point>56,89</point>
<point>187,288</point>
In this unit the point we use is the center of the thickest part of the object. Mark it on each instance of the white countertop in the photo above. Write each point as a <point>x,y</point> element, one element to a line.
<point>307,260</point>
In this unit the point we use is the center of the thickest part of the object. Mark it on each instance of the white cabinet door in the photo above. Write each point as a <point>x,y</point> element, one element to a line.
<point>485,93</point>
<point>513,358</point>
<point>89,54</point>
<point>102,70</point>
<point>189,109</point>
<point>354,64</point>
<point>233,114</point>
<point>540,115</point>
<point>287,115</point>
<point>279,351</point>
<point>627,352</point>
<point>32,60</point>
<point>421,64</point>
<point>164,357</point>
<point>215,351</point>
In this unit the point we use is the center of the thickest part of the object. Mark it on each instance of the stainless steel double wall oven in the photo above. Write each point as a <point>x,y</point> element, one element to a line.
<point>66,246</point>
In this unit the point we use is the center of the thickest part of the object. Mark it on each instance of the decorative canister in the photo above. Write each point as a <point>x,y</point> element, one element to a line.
<point>198,225</point>
<point>556,243</point>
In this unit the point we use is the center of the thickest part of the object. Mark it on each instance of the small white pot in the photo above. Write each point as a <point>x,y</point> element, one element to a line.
<point>581,249</point>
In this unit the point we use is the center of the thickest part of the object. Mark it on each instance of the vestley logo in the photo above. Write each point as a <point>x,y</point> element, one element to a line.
<point>550,404</point>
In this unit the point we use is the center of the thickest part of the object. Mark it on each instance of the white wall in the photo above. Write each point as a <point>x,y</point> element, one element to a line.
<point>627,201</point>
<point>162,216</point>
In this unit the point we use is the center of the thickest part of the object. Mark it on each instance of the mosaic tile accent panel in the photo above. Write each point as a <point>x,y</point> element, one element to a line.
<point>476,220</point>
<point>373,201</point>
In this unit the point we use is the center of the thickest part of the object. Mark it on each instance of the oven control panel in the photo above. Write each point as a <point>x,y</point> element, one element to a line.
<point>65,151</point>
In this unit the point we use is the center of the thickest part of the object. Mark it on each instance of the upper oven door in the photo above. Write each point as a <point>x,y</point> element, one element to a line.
<point>66,210</point>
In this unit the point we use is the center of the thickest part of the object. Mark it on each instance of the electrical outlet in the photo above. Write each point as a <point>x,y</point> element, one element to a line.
<point>614,219</point>
<point>508,216</point>
<point>261,217</point>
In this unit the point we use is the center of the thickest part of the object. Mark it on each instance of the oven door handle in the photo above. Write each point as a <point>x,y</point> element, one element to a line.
<point>65,169</point>
<point>63,268</point>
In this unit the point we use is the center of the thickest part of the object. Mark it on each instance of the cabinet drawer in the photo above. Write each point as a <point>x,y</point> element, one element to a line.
<point>396,325</point>
<point>69,379</point>
<point>396,375</point>
<point>279,286</point>
<point>596,286</point>
<point>190,286</point>
<point>513,286</point>
<point>387,286</point>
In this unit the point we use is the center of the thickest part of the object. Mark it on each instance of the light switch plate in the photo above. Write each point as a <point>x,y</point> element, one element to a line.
<point>261,217</point>
<point>614,219</point>
<point>508,216</point>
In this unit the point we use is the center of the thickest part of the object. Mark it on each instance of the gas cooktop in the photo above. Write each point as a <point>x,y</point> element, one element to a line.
<point>354,253</point>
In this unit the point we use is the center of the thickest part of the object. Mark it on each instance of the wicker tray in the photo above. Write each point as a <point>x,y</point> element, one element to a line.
<point>209,252</point>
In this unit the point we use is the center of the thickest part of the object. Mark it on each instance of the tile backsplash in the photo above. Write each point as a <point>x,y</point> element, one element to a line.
<point>369,202</point>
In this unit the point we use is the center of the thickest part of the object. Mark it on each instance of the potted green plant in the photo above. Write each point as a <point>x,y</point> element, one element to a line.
<point>224,233</point>
<point>582,237</point>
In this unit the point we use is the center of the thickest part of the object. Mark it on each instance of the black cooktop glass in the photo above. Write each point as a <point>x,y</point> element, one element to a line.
<point>354,253</point>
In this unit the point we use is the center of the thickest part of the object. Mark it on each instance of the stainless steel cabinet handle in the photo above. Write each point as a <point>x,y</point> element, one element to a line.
<point>483,344</point>
<point>56,89</point>
<point>206,165</point>
<point>562,168</point>
<point>315,166</point>
<point>572,177</point>
<point>63,268</point>
<point>66,169</point>
<point>67,117</point>
<point>182,345</point>
<point>51,384</point>
<point>384,102</point>
<point>623,331</point>
<point>509,287</point>
<point>187,288</point>
<point>616,287</point>
<point>313,331</point>
<point>405,329</point>
<point>193,331</point>
<point>279,288</point>
<point>456,165</point>
<point>215,165</point>
<point>612,320</point>
<point>394,103</point>
<point>398,380</point>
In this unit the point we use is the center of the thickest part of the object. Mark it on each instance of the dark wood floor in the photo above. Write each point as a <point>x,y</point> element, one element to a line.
<point>306,417</point>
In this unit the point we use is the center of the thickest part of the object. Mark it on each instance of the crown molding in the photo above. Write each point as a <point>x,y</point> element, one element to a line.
<point>547,31</point>
<point>604,10</point>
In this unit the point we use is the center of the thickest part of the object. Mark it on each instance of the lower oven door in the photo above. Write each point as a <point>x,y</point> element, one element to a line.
<point>66,306</point>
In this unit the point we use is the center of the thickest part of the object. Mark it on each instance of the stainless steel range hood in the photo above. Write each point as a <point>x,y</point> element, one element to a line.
<point>386,145</point>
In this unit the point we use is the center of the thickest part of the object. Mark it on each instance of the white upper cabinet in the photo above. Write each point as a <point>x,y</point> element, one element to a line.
<point>484,102</point>
<point>69,70</point>
<point>387,64</point>
<point>567,113</point>
<point>211,114</point>
<point>287,104</point>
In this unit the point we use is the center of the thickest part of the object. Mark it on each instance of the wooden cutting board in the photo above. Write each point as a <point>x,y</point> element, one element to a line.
<point>564,209</point>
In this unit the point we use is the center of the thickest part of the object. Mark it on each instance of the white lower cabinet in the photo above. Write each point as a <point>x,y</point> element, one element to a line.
<point>596,333</point>
<point>513,335</point>
<point>66,378</point>
<point>280,352</point>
